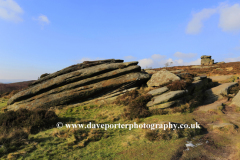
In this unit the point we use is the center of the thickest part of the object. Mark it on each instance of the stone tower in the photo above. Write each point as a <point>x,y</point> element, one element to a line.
<point>206,60</point>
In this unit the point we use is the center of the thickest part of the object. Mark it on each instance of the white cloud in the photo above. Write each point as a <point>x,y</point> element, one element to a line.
<point>185,55</point>
<point>85,59</point>
<point>197,62</point>
<point>157,56</point>
<point>230,18</point>
<point>42,20</point>
<point>157,63</point>
<point>146,62</point>
<point>129,57</point>
<point>178,62</point>
<point>10,10</point>
<point>237,48</point>
<point>232,59</point>
<point>196,24</point>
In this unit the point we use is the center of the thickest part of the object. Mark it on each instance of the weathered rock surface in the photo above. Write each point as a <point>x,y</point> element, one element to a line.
<point>150,71</point>
<point>158,91</point>
<point>236,99</point>
<point>206,60</point>
<point>165,105</point>
<point>217,93</point>
<point>199,78</point>
<point>162,77</point>
<point>198,85</point>
<point>222,126</point>
<point>166,97</point>
<point>78,83</point>
<point>220,78</point>
<point>76,67</point>
<point>212,106</point>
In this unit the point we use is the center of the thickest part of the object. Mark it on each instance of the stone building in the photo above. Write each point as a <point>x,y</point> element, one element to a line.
<point>206,60</point>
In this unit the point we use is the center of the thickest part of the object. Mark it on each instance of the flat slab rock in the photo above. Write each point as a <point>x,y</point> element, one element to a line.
<point>212,106</point>
<point>158,91</point>
<point>166,97</point>
<point>236,99</point>
<point>162,77</point>
<point>149,71</point>
<point>164,105</point>
<point>220,78</point>
<point>199,78</point>
<point>221,126</point>
<point>214,94</point>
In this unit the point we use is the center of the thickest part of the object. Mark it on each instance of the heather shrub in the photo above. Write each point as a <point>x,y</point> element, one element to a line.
<point>12,141</point>
<point>32,119</point>
<point>136,104</point>
<point>137,108</point>
<point>126,98</point>
<point>234,90</point>
<point>177,85</point>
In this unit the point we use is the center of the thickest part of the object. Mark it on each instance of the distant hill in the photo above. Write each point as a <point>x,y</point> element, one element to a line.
<point>7,88</point>
<point>7,81</point>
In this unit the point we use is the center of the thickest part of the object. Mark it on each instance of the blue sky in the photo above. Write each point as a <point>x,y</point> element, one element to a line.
<point>44,36</point>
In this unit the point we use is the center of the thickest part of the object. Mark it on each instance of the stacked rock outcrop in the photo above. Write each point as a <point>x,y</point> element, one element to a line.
<point>206,60</point>
<point>79,83</point>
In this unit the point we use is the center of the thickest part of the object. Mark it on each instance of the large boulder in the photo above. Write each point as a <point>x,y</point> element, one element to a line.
<point>78,83</point>
<point>161,77</point>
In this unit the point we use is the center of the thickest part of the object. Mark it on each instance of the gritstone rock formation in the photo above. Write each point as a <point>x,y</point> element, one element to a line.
<point>206,60</point>
<point>79,83</point>
<point>162,77</point>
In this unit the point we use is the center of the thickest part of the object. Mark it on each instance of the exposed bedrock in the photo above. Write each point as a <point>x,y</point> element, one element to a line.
<point>78,83</point>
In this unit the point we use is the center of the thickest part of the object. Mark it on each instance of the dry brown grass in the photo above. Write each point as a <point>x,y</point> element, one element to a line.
<point>79,138</point>
<point>177,85</point>
<point>227,69</point>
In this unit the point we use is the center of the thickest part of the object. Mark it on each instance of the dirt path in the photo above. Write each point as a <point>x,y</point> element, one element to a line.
<point>223,141</point>
<point>212,106</point>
